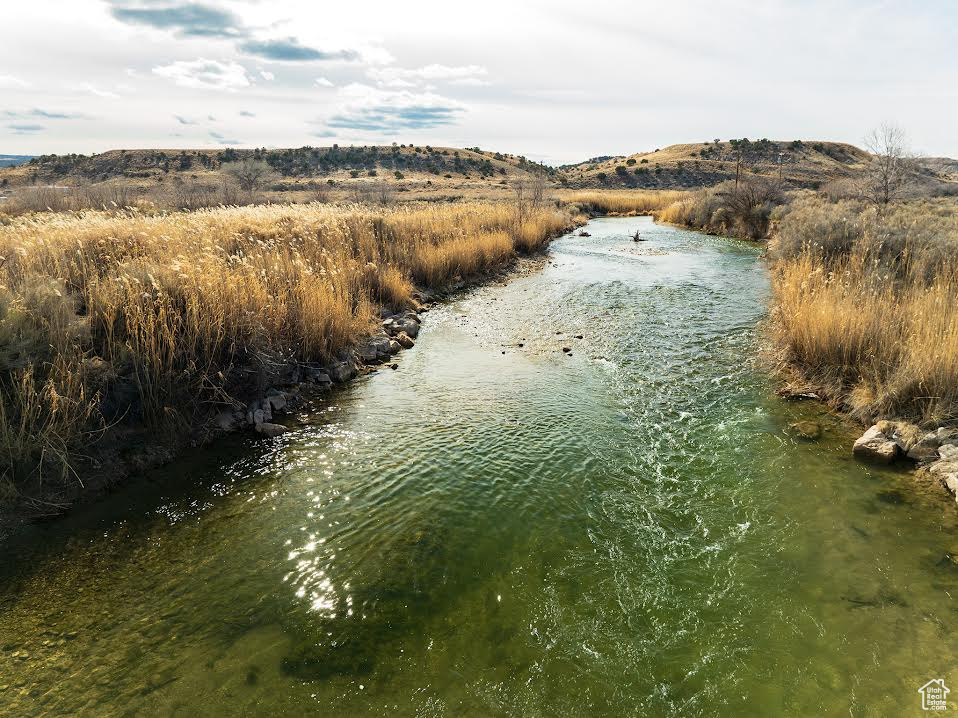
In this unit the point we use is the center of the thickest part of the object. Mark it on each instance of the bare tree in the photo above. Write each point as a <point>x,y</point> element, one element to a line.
<point>891,171</point>
<point>249,175</point>
<point>529,192</point>
<point>537,189</point>
<point>520,187</point>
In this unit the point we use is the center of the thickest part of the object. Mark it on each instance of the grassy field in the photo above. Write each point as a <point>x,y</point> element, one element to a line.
<point>112,319</point>
<point>864,305</point>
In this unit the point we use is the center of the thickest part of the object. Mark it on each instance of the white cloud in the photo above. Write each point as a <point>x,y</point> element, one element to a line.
<point>408,77</point>
<point>94,90</point>
<point>323,82</point>
<point>10,82</point>
<point>266,75</point>
<point>203,74</point>
<point>373,109</point>
<point>470,82</point>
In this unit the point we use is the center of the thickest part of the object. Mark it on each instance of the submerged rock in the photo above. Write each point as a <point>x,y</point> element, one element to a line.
<point>807,429</point>
<point>271,430</point>
<point>875,445</point>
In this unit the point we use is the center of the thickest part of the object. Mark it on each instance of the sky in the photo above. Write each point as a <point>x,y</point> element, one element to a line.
<point>558,81</point>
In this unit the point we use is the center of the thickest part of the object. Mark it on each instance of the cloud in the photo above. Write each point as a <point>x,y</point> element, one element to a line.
<point>45,114</point>
<point>375,110</point>
<point>407,77</point>
<point>268,76</point>
<point>323,82</point>
<point>203,74</point>
<point>247,113</point>
<point>9,82</point>
<point>323,133</point>
<point>470,82</point>
<point>94,90</point>
<point>22,129</point>
<point>289,50</point>
<point>188,19</point>
<point>184,120</point>
<point>223,140</point>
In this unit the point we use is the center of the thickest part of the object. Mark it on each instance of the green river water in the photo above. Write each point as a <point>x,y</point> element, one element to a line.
<point>494,529</point>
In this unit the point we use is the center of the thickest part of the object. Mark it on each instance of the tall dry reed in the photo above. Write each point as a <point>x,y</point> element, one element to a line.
<point>112,318</point>
<point>865,305</point>
<point>622,202</point>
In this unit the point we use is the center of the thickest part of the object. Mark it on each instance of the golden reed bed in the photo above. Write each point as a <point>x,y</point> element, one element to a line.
<point>166,306</point>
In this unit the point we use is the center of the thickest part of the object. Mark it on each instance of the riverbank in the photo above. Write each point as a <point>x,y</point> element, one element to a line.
<point>863,316</point>
<point>125,335</point>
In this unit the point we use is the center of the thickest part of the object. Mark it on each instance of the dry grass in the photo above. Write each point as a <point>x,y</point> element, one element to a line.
<point>623,202</point>
<point>144,319</point>
<point>864,305</point>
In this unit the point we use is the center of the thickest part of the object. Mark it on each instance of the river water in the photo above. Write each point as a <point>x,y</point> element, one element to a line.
<point>500,527</point>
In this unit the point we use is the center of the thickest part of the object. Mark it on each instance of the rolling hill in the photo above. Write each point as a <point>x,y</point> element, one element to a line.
<point>798,163</point>
<point>299,169</point>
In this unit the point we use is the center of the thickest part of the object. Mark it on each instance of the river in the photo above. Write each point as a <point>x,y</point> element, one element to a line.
<point>501,527</point>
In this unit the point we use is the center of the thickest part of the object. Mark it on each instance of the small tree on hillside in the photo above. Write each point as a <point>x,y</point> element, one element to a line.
<point>249,175</point>
<point>891,171</point>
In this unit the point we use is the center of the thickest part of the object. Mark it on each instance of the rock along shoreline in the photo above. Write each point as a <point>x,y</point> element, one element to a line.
<point>933,452</point>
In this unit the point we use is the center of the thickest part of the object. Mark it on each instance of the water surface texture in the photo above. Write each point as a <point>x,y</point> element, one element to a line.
<point>501,527</point>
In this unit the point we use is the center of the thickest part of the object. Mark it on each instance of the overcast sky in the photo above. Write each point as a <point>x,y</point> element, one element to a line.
<point>557,81</point>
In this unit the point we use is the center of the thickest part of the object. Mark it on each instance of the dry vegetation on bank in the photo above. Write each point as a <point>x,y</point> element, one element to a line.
<point>865,304</point>
<point>117,319</point>
<point>622,202</point>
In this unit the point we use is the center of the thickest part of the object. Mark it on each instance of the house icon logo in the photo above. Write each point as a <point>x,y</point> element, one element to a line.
<point>934,695</point>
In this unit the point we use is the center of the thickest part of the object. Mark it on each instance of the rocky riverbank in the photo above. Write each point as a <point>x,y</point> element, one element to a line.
<point>398,332</point>
<point>935,453</point>
<point>267,412</point>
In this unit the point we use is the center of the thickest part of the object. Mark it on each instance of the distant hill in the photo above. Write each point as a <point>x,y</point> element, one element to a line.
<point>293,167</point>
<point>799,163</point>
<point>431,172</point>
<point>14,160</point>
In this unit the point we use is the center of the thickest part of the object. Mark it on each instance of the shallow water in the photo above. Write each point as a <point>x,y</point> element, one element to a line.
<point>495,529</point>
